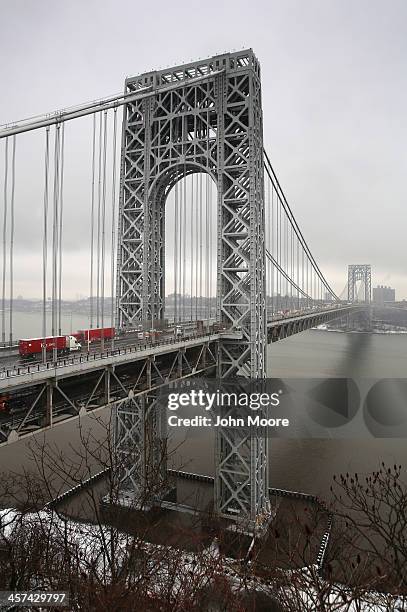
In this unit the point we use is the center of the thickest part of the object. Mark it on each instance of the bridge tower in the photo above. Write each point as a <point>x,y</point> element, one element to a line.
<point>358,272</point>
<point>205,116</point>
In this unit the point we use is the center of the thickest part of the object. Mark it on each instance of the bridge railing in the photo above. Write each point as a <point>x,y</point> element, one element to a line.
<point>20,370</point>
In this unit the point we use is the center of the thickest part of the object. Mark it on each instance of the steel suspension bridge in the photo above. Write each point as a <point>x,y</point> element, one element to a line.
<point>187,227</point>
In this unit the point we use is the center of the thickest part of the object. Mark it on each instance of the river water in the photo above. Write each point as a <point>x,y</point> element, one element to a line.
<point>296,464</point>
<point>308,464</point>
<point>29,324</point>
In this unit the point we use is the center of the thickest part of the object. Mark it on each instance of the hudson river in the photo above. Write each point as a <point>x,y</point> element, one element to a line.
<point>309,464</point>
<point>297,464</point>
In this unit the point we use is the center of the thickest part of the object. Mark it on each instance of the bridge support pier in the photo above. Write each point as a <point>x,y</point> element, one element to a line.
<point>141,451</point>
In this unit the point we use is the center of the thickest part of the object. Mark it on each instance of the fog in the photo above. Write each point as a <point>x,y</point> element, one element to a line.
<point>334,99</point>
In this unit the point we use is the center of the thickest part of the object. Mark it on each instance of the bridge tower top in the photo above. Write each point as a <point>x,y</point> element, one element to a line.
<point>227,62</point>
<point>359,272</point>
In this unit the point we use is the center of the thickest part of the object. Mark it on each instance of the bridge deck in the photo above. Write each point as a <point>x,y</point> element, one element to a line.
<point>80,364</point>
<point>16,376</point>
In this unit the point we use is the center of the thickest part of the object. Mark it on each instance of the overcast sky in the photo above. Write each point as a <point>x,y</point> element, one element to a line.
<point>334,100</point>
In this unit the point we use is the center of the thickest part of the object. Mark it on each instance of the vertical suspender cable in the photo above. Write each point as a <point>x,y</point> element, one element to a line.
<point>290,263</point>
<point>181,231</point>
<point>293,267</point>
<point>181,219</point>
<point>211,250</point>
<point>103,232</point>
<point>272,267</point>
<point>98,222</point>
<point>175,252</point>
<point>268,241</point>
<point>281,255</point>
<point>184,235</point>
<point>55,238</point>
<point>92,222</point>
<point>200,246</point>
<point>196,203</point>
<point>287,260</point>
<point>298,273</point>
<point>277,247</point>
<point>191,216</point>
<point>3,300</point>
<point>13,182</point>
<point>61,210</point>
<point>207,246</point>
<point>113,242</point>
<point>44,248</point>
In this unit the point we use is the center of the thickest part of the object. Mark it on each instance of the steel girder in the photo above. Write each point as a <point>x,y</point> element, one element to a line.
<point>141,427</point>
<point>278,330</point>
<point>108,385</point>
<point>361,272</point>
<point>141,452</point>
<point>202,117</point>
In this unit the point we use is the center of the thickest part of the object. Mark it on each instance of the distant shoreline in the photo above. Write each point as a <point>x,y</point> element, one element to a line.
<point>388,332</point>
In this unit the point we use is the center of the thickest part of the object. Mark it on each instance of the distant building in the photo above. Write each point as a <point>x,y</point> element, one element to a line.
<point>383,294</point>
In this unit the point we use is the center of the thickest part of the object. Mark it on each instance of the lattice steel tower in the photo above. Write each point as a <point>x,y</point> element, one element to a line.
<point>201,117</point>
<point>357,272</point>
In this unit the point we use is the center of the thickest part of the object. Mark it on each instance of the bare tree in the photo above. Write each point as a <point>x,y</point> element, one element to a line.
<point>373,510</point>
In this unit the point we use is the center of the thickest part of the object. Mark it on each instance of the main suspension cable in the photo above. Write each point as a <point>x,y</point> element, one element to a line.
<point>272,176</point>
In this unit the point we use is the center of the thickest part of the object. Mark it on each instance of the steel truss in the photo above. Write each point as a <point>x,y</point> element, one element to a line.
<point>283,328</point>
<point>109,387</point>
<point>140,427</point>
<point>361,272</point>
<point>202,117</point>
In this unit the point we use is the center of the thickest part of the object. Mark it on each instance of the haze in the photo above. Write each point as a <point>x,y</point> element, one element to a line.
<point>334,101</point>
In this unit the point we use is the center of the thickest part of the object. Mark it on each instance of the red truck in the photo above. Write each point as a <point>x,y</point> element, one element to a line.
<point>95,334</point>
<point>4,404</point>
<point>34,346</point>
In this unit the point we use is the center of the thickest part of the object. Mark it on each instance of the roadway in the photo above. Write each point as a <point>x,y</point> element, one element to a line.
<point>74,377</point>
<point>18,377</point>
<point>12,365</point>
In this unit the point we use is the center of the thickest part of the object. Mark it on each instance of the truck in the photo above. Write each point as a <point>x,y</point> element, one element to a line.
<point>4,404</point>
<point>95,334</point>
<point>34,346</point>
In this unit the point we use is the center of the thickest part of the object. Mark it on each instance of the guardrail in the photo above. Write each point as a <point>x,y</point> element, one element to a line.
<point>91,357</point>
<point>73,490</point>
<point>310,313</point>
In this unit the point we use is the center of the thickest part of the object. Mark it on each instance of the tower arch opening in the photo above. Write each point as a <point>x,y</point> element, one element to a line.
<point>190,250</point>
